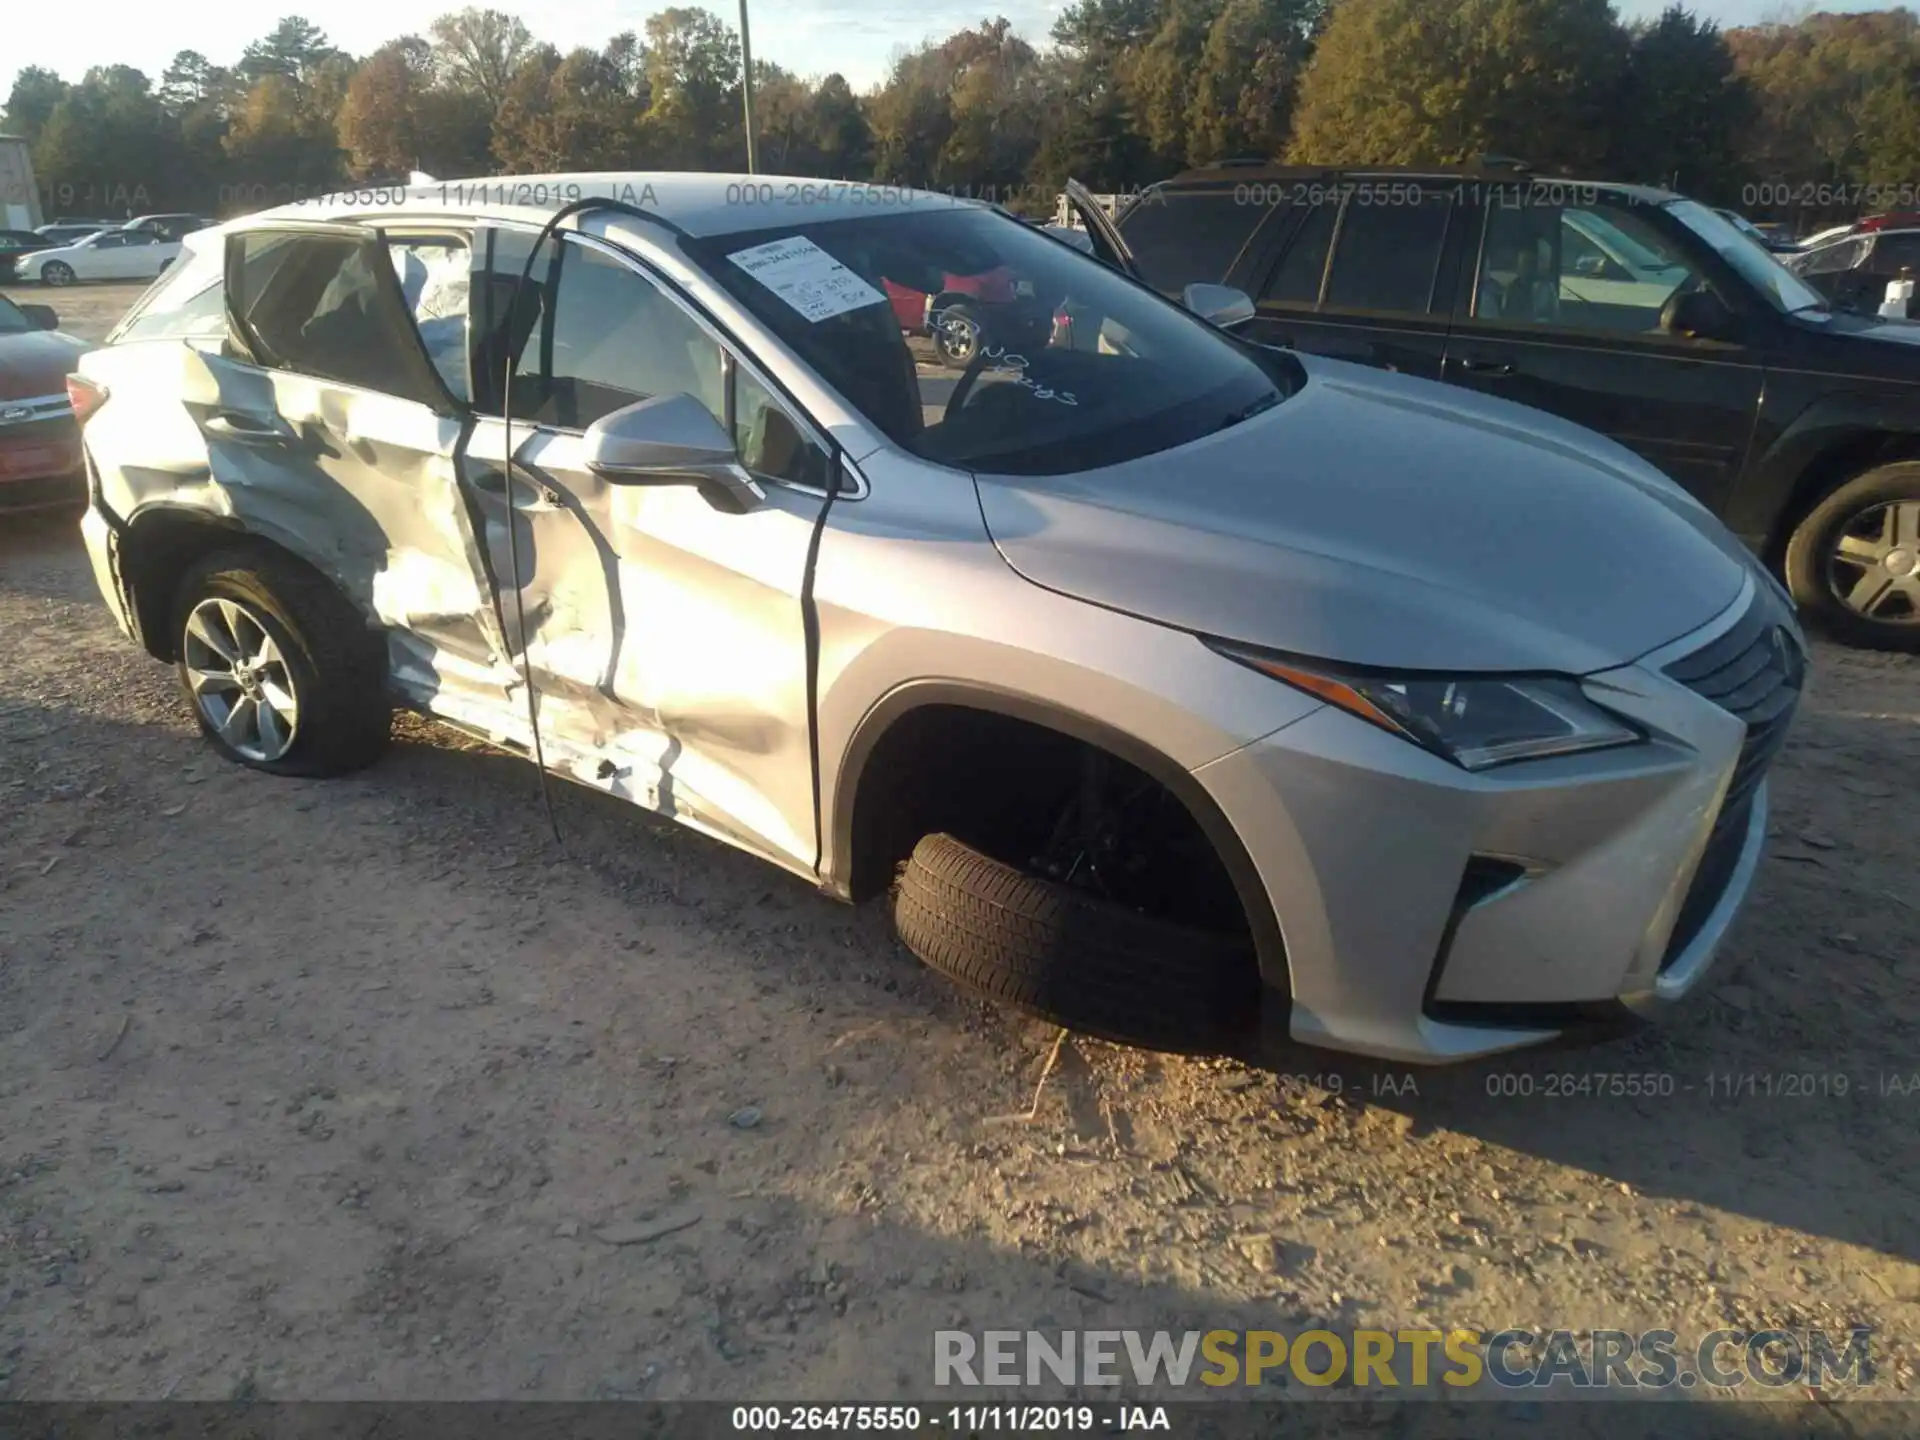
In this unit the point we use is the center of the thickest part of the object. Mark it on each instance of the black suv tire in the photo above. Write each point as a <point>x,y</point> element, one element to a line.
<point>1815,580</point>
<point>335,666</point>
<point>1071,957</point>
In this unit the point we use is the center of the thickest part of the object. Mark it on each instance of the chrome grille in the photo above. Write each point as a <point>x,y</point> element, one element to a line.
<point>1755,671</point>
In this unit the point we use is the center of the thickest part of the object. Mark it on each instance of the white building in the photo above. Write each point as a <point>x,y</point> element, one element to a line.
<point>19,195</point>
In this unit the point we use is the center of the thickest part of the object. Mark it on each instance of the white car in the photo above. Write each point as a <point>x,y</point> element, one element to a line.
<point>106,255</point>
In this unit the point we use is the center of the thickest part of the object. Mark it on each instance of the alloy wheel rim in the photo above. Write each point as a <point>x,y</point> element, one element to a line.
<point>1873,564</point>
<point>57,274</point>
<point>240,679</point>
<point>958,337</point>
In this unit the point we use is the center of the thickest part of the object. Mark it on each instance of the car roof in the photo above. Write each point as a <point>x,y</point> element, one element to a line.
<point>1227,174</point>
<point>695,203</point>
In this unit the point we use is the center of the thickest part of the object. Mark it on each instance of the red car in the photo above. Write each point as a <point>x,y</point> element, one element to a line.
<point>39,438</point>
<point>952,316</point>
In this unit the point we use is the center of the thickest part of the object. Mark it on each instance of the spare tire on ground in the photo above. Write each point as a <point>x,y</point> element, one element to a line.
<point>1073,957</point>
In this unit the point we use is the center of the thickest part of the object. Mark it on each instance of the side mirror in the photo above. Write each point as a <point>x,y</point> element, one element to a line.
<point>1700,315</point>
<point>1220,305</point>
<point>41,316</point>
<point>671,440</point>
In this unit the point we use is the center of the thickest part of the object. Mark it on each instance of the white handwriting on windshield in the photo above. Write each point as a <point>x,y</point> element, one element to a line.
<point>1013,368</point>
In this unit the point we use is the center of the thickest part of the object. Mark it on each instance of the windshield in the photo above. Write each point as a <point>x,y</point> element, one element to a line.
<point>1757,265</point>
<point>12,319</point>
<point>1623,247</point>
<point>975,341</point>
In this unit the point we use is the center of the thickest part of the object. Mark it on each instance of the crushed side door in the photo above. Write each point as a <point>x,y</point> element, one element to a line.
<point>329,431</point>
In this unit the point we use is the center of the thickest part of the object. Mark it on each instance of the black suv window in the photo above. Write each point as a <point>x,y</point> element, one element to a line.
<point>1895,253</point>
<point>1387,252</point>
<point>1296,279</point>
<point>1183,238</point>
<point>1597,266</point>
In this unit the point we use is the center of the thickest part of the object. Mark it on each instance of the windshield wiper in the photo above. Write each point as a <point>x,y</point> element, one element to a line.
<point>1266,402</point>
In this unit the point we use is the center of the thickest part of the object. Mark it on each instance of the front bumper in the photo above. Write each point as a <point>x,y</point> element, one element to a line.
<point>1430,914</point>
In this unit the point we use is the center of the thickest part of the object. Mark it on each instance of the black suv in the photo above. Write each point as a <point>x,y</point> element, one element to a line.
<point>1632,311</point>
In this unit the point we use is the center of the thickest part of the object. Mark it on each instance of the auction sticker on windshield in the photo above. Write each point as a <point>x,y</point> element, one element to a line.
<point>807,278</point>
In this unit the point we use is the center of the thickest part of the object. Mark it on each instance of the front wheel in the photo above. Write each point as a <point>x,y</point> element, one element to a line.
<point>282,674</point>
<point>1072,957</point>
<point>1853,564</point>
<point>56,272</point>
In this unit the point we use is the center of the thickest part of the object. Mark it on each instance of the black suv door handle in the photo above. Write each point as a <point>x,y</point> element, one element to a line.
<point>1486,367</point>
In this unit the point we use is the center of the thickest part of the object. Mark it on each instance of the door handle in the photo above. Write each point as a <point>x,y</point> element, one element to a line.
<point>1486,367</point>
<point>248,429</point>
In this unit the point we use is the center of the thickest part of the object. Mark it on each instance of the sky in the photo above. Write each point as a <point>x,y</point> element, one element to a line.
<point>857,39</point>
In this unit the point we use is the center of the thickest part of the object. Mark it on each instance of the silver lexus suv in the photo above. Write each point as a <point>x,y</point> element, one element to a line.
<point>1173,687</point>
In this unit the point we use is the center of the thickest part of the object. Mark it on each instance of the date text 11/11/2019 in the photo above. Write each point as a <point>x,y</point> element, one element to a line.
<point>957,1419</point>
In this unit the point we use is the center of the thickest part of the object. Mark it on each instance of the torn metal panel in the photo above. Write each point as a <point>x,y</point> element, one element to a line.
<point>664,637</point>
<point>363,486</point>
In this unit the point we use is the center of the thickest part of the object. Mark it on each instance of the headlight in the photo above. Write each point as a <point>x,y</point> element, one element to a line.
<point>1476,723</point>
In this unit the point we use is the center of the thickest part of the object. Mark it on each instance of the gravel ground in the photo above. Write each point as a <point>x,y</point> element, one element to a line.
<point>84,310</point>
<point>365,1088</point>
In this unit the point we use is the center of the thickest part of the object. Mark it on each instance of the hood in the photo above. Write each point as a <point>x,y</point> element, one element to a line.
<point>1384,521</point>
<point>37,362</point>
<point>1860,344</point>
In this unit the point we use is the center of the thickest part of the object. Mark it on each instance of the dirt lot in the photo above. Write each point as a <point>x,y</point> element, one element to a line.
<point>84,310</point>
<point>365,1089</point>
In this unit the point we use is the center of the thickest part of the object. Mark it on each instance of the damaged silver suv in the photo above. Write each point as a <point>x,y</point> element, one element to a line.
<point>1174,687</point>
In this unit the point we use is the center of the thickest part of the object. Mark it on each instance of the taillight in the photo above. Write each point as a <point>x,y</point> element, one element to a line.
<point>86,397</point>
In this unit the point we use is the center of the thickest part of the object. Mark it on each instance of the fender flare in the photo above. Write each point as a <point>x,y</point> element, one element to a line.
<point>904,699</point>
<point>1792,472</point>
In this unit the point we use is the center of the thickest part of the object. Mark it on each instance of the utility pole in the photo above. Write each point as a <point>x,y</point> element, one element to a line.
<point>746,85</point>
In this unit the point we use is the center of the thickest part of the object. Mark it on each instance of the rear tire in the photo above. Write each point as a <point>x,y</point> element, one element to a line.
<point>1071,957</point>
<point>1853,564</point>
<point>320,657</point>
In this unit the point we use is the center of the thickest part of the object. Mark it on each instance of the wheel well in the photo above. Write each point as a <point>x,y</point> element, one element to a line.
<point>156,552</point>
<point>1831,469</point>
<point>999,781</point>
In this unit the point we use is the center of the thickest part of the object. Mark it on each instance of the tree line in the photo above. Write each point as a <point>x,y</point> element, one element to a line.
<point>1821,113</point>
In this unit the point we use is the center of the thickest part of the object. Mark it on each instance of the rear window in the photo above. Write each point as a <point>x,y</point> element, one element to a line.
<point>185,303</point>
<point>1186,238</point>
